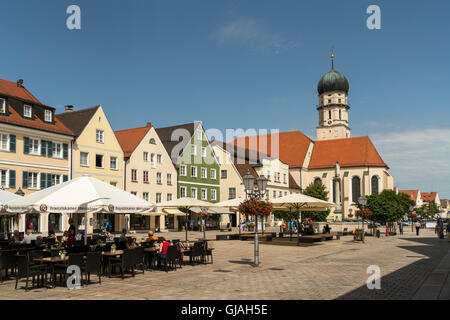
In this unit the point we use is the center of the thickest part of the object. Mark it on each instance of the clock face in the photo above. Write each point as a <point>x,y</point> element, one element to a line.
<point>330,122</point>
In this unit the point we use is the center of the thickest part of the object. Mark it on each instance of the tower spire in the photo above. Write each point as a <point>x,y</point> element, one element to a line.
<point>332,58</point>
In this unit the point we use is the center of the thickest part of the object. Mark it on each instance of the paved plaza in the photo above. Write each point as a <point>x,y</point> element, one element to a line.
<point>411,268</point>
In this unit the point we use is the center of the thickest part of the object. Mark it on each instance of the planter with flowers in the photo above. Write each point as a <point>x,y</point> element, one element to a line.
<point>256,208</point>
<point>62,254</point>
<point>203,215</point>
<point>113,248</point>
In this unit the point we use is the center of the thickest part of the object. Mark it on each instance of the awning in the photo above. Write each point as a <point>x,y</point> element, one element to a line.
<point>175,212</point>
<point>151,214</point>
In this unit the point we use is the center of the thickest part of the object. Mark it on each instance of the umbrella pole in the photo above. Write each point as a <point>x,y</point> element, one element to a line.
<point>186,227</point>
<point>85,227</point>
<point>240,225</point>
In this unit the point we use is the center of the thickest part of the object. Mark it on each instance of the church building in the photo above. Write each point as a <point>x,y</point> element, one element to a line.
<point>348,166</point>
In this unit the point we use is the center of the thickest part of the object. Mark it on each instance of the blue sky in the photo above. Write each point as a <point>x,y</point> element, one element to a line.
<point>246,64</point>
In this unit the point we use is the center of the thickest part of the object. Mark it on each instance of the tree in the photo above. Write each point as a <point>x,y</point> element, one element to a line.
<point>432,210</point>
<point>317,190</point>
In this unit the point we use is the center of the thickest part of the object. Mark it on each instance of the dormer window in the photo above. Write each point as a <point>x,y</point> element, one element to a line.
<point>2,105</point>
<point>48,116</point>
<point>27,111</point>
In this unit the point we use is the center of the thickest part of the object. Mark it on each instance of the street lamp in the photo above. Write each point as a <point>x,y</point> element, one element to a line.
<point>411,210</point>
<point>363,202</point>
<point>255,193</point>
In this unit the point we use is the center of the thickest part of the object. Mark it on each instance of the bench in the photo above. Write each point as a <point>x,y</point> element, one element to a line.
<point>267,236</point>
<point>319,237</point>
<point>221,237</point>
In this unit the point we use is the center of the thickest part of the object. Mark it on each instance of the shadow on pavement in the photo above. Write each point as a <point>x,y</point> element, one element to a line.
<point>404,283</point>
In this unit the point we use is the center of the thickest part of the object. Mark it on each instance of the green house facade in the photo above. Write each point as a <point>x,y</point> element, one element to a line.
<point>197,166</point>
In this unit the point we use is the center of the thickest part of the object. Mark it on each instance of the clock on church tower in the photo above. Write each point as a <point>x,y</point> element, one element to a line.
<point>333,106</point>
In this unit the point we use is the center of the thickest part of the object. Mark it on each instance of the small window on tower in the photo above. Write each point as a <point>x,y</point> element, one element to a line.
<point>340,114</point>
<point>329,100</point>
<point>329,114</point>
<point>339,100</point>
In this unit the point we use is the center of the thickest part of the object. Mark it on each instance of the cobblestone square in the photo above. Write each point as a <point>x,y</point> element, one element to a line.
<point>326,270</point>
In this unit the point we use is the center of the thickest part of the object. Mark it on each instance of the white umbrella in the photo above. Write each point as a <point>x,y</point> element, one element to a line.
<point>187,204</point>
<point>80,195</point>
<point>301,202</point>
<point>6,197</point>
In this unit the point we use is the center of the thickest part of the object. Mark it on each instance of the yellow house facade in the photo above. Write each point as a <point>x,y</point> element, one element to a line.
<point>97,153</point>
<point>35,153</point>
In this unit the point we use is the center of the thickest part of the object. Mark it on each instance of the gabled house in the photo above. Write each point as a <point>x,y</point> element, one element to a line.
<point>34,152</point>
<point>428,197</point>
<point>196,165</point>
<point>415,195</point>
<point>149,173</point>
<point>95,152</point>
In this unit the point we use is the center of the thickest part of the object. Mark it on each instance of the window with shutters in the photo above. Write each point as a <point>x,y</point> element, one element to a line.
<point>2,105</point>
<point>4,178</point>
<point>4,142</point>
<point>33,180</point>
<point>84,159</point>
<point>56,179</point>
<point>27,111</point>
<point>57,150</point>
<point>35,147</point>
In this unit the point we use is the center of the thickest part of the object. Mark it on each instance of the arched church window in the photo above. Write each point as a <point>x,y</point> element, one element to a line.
<point>329,114</point>
<point>340,113</point>
<point>356,189</point>
<point>375,185</point>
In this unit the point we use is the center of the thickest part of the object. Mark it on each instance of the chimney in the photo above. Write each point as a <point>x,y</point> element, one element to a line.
<point>19,83</point>
<point>149,124</point>
<point>69,108</point>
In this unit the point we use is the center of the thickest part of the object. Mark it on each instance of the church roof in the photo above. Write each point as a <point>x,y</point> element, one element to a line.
<point>349,152</point>
<point>292,149</point>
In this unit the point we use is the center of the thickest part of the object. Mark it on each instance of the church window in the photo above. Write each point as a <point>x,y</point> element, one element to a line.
<point>356,189</point>
<point>374,185</point>
<point>340,114</point>
<point>329,100</point>
<point>329,114</point>
<point>339,100</point>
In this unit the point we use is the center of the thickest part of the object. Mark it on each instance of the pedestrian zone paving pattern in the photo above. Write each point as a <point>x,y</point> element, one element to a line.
<point>326,270</point>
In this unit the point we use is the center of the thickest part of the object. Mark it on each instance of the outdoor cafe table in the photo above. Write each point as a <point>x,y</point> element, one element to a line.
<point>53,261</point>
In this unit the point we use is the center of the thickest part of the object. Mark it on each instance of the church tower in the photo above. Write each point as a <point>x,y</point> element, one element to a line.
<point>333,106</point>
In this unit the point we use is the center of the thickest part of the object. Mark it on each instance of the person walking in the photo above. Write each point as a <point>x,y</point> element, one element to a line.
<point>400,228</point>
<point>418,225</point>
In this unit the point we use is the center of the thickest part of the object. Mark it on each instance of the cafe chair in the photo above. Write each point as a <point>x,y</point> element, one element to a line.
<point>61,268</point>
<point>27,270</point>
<point>7,262</point>
<point>93,265</point>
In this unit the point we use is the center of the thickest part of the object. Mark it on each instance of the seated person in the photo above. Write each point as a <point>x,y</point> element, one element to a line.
<point>28,237</point>
<point>15,239</point>
<point>326,229</point>
<point>106,226</point>
<point>65,236</point>
<point>123,235</point>
<point>51,235</point>
<point>71,238</point>
<point>40,242</point>
<point>151,237</point>
<point>163,247</point>
<point>131,243</point>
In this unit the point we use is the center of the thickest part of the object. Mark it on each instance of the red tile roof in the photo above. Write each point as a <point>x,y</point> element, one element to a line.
<point>412,193</point>
<point>129,139</point>
<point>292,150</point>
<point>428,196</point>
<point>11,89</point>
<point>16,119</point>
<point>349,152</point>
